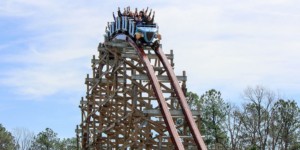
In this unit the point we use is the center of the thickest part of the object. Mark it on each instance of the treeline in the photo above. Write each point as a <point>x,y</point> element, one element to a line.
<point>263,122</point>
<point>23,139</point>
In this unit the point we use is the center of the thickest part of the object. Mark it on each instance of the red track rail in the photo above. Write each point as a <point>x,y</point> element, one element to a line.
<point>180,95</point>
<point>158,93</point>
<point>162,102</point>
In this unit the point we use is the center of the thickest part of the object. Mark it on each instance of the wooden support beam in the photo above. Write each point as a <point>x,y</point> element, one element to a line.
<point>150,56</point>
<point>120,44</point>
<point>178,112</point>
<point>162,78</point>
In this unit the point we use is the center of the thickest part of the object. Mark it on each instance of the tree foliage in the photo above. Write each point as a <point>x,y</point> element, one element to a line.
<point>7,141</point>
<point>213,113</point>
<point>68,144</point>
<point>45,140</point>
<point>264,121</point>
<point>48,140</point>
<point>23,139</point>
<point>285,124</point>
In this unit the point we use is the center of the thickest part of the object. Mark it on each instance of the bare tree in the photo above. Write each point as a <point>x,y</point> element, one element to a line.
<point>23,138</point>
<point>233,126</point>
<point>256,116</point>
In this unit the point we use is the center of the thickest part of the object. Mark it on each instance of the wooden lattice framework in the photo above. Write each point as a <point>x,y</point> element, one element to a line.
<point>120,110</point>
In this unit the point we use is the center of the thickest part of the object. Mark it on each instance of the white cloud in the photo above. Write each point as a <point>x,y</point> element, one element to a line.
<point>233,45</point>
<point>42,81</point>
<point>53,53</point>
<point>218,42</point>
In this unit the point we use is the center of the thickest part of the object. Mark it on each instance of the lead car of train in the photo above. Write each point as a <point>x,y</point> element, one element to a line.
<point>142,34</point>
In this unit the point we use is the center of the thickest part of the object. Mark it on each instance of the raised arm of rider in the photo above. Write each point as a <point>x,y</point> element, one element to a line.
<point>119,12</point>
<point>152,20</point>
<point>150,13</point>
<point>114,16</point>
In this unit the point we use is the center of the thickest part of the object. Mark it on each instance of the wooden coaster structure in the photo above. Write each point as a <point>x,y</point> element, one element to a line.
<point>135,101</point>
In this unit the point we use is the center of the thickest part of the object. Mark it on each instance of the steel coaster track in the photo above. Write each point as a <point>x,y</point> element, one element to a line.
<point>162,102</point>
<point>158,93</point>
<point>182,100</point>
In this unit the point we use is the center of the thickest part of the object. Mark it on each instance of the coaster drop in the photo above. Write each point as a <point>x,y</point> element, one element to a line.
<point>133,99</point>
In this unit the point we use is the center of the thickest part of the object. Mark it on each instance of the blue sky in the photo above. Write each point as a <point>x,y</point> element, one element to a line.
<point>46,47</point>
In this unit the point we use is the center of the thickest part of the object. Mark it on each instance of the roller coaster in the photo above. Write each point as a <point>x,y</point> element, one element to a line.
<point>133,99</point>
